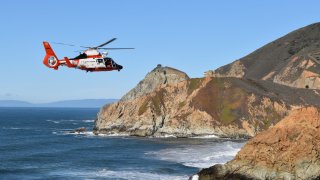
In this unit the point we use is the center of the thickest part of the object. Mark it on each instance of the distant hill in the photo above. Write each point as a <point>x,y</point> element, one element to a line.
<point>14,103</point>
<point>83,103</point>
<point>292,60</point>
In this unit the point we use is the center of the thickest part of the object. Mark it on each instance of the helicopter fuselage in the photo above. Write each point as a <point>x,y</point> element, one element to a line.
<point>93,64</point>
<point>90,60</point>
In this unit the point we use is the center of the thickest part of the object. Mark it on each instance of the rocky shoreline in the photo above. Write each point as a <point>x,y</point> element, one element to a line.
<point>289,150</point>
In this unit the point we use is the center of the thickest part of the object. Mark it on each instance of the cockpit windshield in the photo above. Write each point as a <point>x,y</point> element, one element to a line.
<point>108,61</point>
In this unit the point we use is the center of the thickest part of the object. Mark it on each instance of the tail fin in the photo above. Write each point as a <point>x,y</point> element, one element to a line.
<point>50,60</point>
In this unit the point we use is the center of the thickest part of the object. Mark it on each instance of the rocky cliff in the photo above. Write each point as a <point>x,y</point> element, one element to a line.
<point>236,100</point>
<point>168,102</point>
<point>292,60</point>
<point>158,76</point>
<point>289,150</point>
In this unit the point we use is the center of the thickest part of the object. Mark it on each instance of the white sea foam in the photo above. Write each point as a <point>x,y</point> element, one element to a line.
<point>137,175</point>
<point>195,177</point>
<point>113,135</point>
<point>164,136</point>
<point>12,128</point>
<point>88,121</point>
<point>53,121</point>
<point>18,128</point>
<point>90,134</point>
<point>200,156</point>
<point>87,133</point>
<point>68,120</point>
<point>123,174</point>
<point>206,136</point>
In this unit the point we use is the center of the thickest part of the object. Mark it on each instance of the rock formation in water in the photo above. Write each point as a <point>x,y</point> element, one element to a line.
<point>289,150</point>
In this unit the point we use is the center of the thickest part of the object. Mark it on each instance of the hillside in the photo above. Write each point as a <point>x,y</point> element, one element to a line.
<point>292,60</point>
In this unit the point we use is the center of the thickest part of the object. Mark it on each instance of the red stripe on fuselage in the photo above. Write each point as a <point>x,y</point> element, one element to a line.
<point>95,56</point>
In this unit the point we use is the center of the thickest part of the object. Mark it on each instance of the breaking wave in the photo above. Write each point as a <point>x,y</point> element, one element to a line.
<point>53,121</point>
<point>88,121</point>
<point>123,174</point>
<point>199,156</point>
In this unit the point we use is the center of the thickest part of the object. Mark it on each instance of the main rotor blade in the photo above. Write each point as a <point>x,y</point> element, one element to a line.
<point>111,40</point>
<point>114,48</point>
<point>63,44</point>
<point>69,45</point>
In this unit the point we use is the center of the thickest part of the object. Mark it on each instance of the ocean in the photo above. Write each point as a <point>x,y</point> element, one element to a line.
<point>36,143</point>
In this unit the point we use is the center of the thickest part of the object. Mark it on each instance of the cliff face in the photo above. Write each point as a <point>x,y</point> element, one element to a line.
<point>289,150</point>
<point>236,100</point>
<point>158,76</point>
<point>292,60</point>
<point>167,102</point>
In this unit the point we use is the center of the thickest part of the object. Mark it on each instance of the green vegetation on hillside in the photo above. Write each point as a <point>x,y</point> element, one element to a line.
<point>193,84</point>
<point>221,100</point>
<point>155,102</point>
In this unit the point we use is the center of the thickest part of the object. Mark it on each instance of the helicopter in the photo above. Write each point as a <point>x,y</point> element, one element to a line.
<point>90,60</point>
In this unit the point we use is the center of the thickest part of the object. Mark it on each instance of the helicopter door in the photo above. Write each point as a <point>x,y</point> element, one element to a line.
<point>100,63</point>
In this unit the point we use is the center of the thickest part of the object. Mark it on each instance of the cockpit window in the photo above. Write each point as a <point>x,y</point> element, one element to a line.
<point>107,59</point>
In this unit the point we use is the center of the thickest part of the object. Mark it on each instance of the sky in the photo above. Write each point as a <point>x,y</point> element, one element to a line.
<point>190,35</point>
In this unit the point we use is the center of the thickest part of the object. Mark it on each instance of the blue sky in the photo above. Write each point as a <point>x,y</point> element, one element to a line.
<point>193,36</point>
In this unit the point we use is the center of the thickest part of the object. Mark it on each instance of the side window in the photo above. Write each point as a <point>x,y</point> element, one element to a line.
<point>99,60</point>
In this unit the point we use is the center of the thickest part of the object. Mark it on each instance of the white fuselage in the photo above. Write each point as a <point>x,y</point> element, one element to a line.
<point>91,63</point>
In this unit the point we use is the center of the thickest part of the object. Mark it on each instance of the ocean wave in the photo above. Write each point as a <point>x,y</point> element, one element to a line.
<point>11,128</point>
<point>206,136</point>
<point>88,134</point>
<point>16,128</point>
<point>88,120</point>
<point>73,121</point>
<point>123,174</point>
<point>53,121</point>
<point>137,175</point>
<point>113,135</point>
<point>163,136</point>
<point>209,136</point>
<point>199,156</point>
<point>195,177</point>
